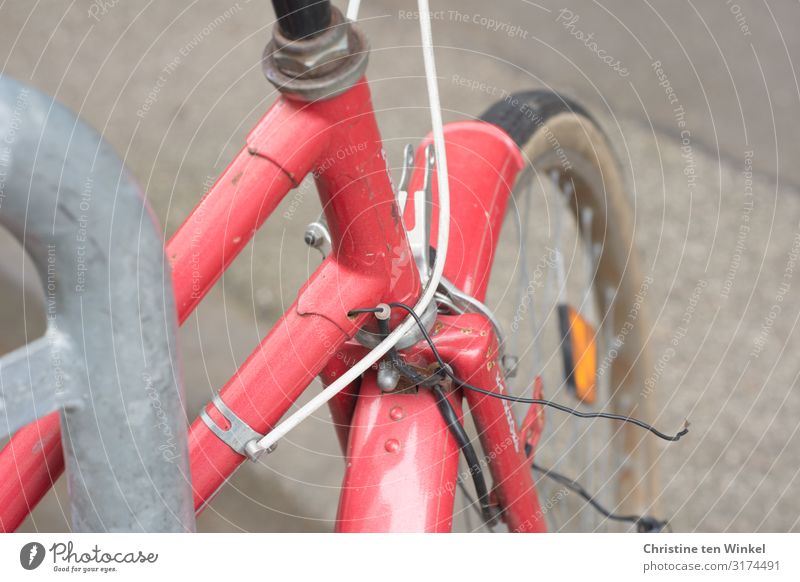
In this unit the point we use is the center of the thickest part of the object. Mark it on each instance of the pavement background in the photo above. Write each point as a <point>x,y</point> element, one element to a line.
<point>730,65</point>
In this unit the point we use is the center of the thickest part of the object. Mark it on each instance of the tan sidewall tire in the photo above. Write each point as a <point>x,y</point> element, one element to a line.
<point>575,138</point>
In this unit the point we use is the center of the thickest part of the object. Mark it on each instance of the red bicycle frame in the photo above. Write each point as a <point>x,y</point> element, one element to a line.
<point>402,462</point>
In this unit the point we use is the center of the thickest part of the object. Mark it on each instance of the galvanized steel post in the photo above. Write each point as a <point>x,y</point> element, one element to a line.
<point>109,356</point>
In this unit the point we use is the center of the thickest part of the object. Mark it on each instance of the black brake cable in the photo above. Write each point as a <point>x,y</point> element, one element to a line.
<point>463,384</point>
<point>470,501</point>
<point>644,523</point>
<point>458,432</point>
<point>451,419</point>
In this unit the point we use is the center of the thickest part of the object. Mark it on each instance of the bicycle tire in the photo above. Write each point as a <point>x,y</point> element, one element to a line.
<point>559,137</point>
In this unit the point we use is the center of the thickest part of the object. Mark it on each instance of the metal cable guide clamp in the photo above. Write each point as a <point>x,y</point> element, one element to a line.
<point>239,436</point>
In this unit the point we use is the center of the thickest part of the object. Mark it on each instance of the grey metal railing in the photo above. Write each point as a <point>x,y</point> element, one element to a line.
<point>108,360</point>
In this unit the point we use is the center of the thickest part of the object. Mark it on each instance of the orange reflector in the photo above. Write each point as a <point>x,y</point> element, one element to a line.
<point>579,351</point>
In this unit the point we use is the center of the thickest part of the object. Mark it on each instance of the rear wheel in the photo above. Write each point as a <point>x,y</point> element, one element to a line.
<point>578,310</point>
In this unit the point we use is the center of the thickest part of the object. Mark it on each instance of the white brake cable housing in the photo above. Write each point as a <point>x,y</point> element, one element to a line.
<point>255,448</point>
